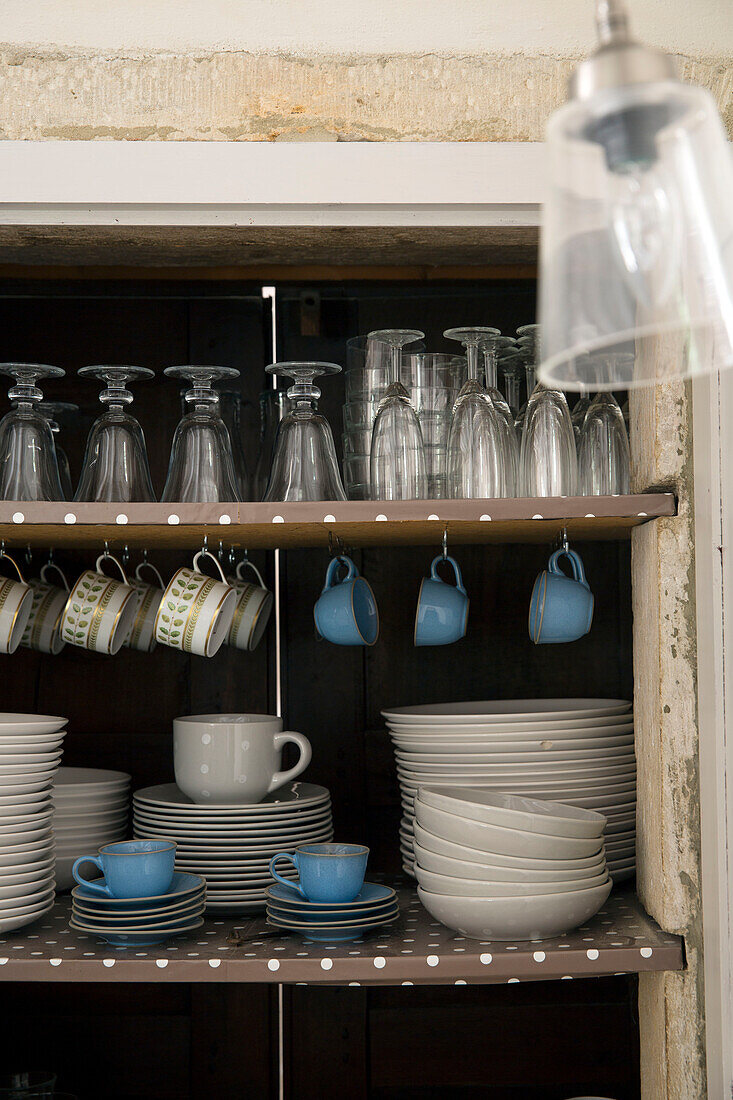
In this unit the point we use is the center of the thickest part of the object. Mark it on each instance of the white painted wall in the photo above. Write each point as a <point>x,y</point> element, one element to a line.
<point>559,27</point>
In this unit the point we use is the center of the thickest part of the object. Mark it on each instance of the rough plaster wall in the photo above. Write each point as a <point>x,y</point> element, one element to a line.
<point>243,96</point>
<point>668,846</point>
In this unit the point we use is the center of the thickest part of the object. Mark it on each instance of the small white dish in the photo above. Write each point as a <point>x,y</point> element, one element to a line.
<point>287,797</point>
<point>505,841</point>
<point>31,724</point>
<point>516,811</point>
<point>463,887</point>
<point>463,850</point>
<point>28,889</point>
<point>508,710</point>
<point>487,872</point>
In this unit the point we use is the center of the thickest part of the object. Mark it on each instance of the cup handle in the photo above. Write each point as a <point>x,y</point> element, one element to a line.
<point>575,563</point>
<point>7,557</point>
<point>286,881</point>
<point>149,565</point>
<point>241,565</point>
<point>208,554</point>
<point>110,557</point>
<point>333,565</point>
<point>456,570</point>
<point>280,778</point>
<point>104,890</point>
<point>59,570</point>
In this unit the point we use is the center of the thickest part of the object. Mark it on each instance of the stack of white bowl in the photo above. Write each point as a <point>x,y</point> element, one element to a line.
<point>30,749</point>
<point>231,845</point>
<point>91,808</point>
<point>502,867</point>
<point>577,751</point>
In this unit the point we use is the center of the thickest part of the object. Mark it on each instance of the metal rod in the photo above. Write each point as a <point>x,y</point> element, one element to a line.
<point>612,21</point>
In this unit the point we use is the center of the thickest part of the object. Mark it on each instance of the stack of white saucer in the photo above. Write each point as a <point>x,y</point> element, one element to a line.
<point>30,749</point>
<point>576,751</point>
<point>91,809</point>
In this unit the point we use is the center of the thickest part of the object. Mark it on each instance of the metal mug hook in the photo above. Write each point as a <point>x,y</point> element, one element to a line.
<point>445,543</point>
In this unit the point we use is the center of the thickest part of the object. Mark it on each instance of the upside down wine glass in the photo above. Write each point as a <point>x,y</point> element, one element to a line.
<point>476,459</point>
<point>201,467</point>
<point>397,459</point>
<point>28,465</point>
<point>55,412</point>
<point>548,460</point>
<point>115,466</point>
<point>491,346</point>
<point>304,463</point>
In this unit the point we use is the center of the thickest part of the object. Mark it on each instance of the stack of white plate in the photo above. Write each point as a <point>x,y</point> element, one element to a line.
<point>91,808</point>
<point>232,845</point>
<point>30,750</point>
<point>505,867</point>
<point>577,751</point>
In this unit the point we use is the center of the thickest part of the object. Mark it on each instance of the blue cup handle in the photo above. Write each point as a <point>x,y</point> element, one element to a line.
<point>456,570</point>
<point>333,566</point>
<point>293,860</point>
<point>104,890</point>
<point>575,562</point>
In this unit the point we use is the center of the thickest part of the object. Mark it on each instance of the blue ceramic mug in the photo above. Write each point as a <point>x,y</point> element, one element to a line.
<point>561,607</point>
<point>442,609</point>
<point>131,868</point>
<point>346,611</point>
<point>326,872</point>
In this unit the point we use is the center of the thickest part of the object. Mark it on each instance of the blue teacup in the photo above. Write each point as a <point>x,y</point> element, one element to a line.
<point>131,868</point>
<point>561,607</point>
<point>327,872</point>
<point>442,609</point>
<point>346,611</point>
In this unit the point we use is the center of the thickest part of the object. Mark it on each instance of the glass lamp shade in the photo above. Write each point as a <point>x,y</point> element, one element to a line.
<point>636,264</point>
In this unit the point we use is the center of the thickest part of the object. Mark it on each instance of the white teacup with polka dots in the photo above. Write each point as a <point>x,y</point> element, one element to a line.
<point>233,758</point>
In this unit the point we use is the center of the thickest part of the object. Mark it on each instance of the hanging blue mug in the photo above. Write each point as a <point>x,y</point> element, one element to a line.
<point>561,607</point>
<point>442,609</point>
<point>346,611</point>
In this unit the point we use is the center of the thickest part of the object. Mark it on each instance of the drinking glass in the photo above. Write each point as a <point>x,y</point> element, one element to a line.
<point>476,459</point>
<point>29,468</point>
<point>304,465</point>
<point>603,449</point>
<point>115,466</point>
<point>55,412</point>
<point>274,406</point>
<point>491,346</point>
<point>230,407</point>
<point>548,460</point>
<point>397,458</point>
<point>577,414</point>
<point>201,466</point>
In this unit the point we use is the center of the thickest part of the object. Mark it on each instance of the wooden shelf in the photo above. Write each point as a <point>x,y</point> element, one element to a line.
<point>415,950</point>
<point>357,523</point>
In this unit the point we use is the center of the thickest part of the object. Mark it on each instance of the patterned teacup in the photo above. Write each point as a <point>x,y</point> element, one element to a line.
<point>100,610</point>
<point>16,599</point>
<point>142,633</point>
<point>196,611</point>
<point>252,613</point>
<point>43,629</point>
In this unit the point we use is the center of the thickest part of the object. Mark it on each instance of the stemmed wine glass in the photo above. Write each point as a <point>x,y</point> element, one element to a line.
<point>55,411</point>
<point>115,466</point>
<point>28,465</point>
<point>304,464</point>
<point>476,460</point>
<point>548,460</point>
<point>201,468</point>
<point>397,459</point>
<point>491,346</point>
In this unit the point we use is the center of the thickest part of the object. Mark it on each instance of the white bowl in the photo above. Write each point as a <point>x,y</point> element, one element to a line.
<point>471,888</point>
<point>515,811</point>
<point>496,838</point>
<point>515,918</point>
<point>461,850</point>
<point>488,872</point>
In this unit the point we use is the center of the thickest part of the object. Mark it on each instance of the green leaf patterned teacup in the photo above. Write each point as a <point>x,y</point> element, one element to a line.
<point>142,632</point>
<point>196,611</point>
<point>43,629</point>
<point>100,611</point>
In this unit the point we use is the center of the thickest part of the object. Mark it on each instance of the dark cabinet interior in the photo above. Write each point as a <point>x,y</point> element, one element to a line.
<point>534,1041</point>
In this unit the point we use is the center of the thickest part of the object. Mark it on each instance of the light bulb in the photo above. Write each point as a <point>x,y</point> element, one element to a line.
<point>644,227</point>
